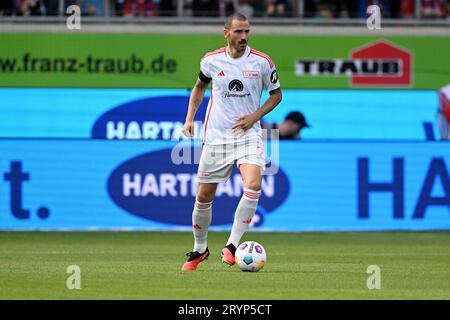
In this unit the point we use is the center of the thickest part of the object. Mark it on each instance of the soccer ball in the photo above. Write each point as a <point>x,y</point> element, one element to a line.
<point>250,256</point>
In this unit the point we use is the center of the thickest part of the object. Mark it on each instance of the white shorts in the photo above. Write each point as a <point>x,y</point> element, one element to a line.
<point>216,162</point>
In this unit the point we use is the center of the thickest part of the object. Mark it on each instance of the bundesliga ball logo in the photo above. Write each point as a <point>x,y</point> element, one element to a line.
<point>250,256</point>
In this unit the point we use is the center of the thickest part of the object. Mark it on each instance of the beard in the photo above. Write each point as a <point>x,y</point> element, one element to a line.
<point>238,46</point>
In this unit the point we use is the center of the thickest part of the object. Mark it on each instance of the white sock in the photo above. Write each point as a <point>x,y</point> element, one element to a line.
<point>244,213</point>
<point>201,219</point>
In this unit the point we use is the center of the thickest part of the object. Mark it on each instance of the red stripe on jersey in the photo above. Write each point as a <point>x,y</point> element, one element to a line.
<point>207,115</point>
<point>217,50</point>
<point>263,55</point>
<point>221,50</point>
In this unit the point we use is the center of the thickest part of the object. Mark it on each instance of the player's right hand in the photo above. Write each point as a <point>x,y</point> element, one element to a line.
<point>188,129</point>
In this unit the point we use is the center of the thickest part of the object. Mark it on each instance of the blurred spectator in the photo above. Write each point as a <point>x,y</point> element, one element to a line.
<point>325,10</point>
<point>407,9</point>
<point>433,9</point>
<point>241,6</point>
<point>139,8</point>
<point>205,8</point>
<point>443,116</point>
<point>30,8</point>
<point>290,128</point>
<point>244,7</point>
<point>276,8</point>
<point>88,7</point>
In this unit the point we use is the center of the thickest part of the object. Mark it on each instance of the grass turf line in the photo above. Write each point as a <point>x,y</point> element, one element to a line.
<point>146,265</point>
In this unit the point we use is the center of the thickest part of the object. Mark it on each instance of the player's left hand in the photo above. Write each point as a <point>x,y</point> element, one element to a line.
<point>244,123</point>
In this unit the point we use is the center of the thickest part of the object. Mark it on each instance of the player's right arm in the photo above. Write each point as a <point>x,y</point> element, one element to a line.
<point>196,98</point>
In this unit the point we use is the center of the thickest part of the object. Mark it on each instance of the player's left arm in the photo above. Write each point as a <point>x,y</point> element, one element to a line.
<point>270,104</point>
<point>273,85</point>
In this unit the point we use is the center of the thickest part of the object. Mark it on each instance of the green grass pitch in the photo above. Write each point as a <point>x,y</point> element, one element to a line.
<point>146,265</point>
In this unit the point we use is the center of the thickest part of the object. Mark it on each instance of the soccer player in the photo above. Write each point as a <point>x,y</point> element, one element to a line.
<point>232,131</point>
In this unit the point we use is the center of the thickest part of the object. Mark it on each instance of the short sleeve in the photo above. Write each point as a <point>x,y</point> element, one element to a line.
<point>205,68</point>
<point>271,80</point>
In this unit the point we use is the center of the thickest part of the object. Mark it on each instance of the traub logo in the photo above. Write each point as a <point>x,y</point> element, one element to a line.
<point>380,63</point>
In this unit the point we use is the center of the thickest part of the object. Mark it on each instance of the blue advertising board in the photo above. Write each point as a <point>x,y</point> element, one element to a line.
<point>319,186</point>
<point>160,113</point>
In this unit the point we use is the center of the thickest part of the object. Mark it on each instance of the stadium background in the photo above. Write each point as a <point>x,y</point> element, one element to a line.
<point>89,118</point>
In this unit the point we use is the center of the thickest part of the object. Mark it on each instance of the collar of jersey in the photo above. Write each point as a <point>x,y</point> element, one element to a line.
<point>247,51</point>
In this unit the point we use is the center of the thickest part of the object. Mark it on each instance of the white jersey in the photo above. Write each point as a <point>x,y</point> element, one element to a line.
<point>237,86</point>
<point>443,116</point>
<point>445,96</point>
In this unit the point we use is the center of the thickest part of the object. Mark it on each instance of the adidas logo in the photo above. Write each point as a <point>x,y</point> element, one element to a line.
<point>221,74</point>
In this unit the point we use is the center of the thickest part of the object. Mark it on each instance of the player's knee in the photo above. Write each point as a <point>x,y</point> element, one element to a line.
<point>204,197</point>
<point>253,185</point>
